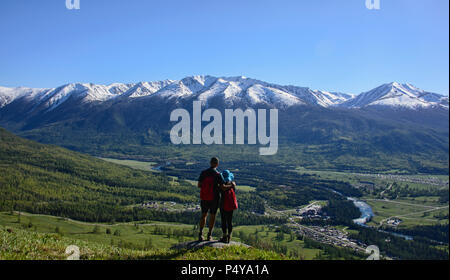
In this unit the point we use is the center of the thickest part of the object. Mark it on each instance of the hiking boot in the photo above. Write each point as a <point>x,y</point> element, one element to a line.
<point>209,237</point>
<point>200,237</point>
<point>223,239</point>
<point>228,238</point>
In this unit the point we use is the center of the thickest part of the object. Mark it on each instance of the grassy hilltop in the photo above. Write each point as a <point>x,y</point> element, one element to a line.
<point>18,244</point>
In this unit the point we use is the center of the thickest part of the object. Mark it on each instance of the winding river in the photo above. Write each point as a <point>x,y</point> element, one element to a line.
<point>367,215</point>
<point>365,209</point>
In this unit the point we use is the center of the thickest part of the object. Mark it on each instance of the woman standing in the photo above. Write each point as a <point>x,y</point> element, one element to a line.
<point>228,204</point>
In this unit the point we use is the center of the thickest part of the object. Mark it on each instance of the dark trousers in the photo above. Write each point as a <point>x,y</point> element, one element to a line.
<point>227,221</point>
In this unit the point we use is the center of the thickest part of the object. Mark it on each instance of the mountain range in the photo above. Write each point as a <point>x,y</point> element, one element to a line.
<point>233,90</point>
<point>392,127</point>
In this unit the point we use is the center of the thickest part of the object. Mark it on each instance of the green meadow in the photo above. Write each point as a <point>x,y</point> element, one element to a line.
<point>412,212</point>
<point>136,164</point>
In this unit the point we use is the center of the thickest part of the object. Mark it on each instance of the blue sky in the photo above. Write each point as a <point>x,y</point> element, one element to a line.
<point>322,44</point>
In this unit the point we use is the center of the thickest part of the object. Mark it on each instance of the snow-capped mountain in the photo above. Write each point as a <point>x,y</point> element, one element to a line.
<point>231,90</point>
<point>53,97</point>
<point>397,95</point>
<point>8,95</point>
<point>125,118</point>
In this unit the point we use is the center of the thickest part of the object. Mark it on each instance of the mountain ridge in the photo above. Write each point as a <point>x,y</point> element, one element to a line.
<point>397,95</point>
<point>233,90</point>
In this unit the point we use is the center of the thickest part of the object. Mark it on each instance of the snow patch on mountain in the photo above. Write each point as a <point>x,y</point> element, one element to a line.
<point>258,94</point>
<point>337,98</point>
<point>146,88</point>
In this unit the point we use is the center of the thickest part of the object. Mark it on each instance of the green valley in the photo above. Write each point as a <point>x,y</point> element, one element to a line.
<point>142,207</point>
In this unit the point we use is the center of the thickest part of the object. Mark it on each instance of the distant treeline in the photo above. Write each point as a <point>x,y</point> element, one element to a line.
<point>433,232</point>
<point>417,249</point>
<point>397,190</point>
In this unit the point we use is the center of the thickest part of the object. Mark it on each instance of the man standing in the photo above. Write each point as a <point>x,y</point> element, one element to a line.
<point>209,183</point>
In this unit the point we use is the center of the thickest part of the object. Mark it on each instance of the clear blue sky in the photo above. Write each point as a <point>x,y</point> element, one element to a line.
<point>322,44</point>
